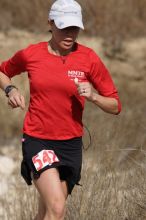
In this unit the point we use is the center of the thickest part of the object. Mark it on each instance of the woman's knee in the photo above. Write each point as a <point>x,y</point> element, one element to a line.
<point>57,207</point>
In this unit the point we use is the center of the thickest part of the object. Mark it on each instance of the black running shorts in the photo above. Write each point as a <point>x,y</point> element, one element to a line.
<point>41,154</point>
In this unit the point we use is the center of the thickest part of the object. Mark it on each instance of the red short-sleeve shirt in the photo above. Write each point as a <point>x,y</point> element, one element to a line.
<point>55,109</point>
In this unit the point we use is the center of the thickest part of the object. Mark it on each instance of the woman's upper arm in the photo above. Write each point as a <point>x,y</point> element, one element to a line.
<point>15,65</point>
<point>101,79</point>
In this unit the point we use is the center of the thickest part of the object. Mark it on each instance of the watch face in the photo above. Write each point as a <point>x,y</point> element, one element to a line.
<point>8,89</point>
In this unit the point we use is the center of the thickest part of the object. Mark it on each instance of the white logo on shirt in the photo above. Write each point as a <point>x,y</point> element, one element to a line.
<point>72,74</point>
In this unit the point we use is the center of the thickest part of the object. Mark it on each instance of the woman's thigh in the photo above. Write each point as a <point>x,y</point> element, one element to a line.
<point>64,188</point>
<point>50,187</point>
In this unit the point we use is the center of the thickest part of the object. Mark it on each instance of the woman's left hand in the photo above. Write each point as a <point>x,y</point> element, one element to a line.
<point>107,104</point>
<point>84,89</point>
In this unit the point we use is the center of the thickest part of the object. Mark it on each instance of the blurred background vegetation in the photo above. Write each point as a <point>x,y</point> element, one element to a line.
<point>123,18</point>
<point>111,28</point>
<point>114,166</point>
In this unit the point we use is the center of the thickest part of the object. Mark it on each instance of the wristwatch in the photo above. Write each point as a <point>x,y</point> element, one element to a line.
<point>8,89</point>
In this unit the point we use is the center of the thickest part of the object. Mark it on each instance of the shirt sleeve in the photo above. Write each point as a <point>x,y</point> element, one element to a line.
<point>101,80</point>
<point>15,65</point>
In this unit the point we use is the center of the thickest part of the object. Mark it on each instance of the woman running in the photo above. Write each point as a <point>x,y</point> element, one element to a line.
<point>60,72</point>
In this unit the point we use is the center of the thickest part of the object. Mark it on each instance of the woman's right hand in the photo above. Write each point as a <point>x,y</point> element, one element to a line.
<point>15,99</point>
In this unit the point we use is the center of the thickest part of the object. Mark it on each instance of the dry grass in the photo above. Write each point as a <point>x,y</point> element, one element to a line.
<point>113,175</point>
<point>108,192</point>
<point>109,19</point>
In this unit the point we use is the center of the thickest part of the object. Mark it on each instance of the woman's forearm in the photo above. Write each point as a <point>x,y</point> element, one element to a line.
<point>15,99</point>
<point>4,81</point>
<point>107,104</point>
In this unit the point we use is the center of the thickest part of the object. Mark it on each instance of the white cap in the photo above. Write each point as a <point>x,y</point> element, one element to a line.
<point>66,13</point>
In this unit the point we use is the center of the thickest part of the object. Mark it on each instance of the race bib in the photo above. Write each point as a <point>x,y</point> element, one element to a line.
<point>44,158</point>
